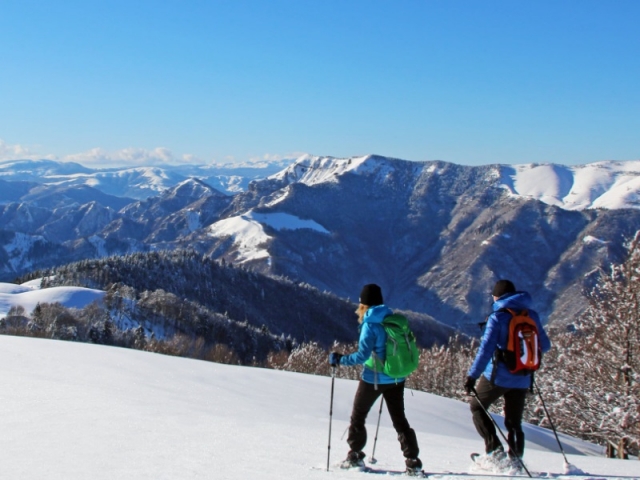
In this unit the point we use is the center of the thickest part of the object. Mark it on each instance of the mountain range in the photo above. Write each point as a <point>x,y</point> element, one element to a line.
<point>434,235</point>
<point>129,182</point>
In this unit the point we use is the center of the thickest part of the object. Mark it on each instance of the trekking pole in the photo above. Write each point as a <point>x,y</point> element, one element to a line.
<point>498,428</point>
<point>566,462</point>
<point>333,381</point>
<point>375,440</point>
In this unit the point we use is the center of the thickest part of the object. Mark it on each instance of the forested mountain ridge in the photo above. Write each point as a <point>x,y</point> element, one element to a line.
<point>277,306</point>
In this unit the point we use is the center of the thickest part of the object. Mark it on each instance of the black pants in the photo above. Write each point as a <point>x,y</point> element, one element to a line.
<point>514,401</point>
<point>393,395</point>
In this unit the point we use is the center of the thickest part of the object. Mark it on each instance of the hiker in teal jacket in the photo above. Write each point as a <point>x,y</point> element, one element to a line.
<point>371,311</point>
<point>373,339</point>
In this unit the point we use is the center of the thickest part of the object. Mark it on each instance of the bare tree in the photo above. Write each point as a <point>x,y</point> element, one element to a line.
<point>593,387</point>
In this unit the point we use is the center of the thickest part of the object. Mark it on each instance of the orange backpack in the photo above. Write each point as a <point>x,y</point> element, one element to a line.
<point>522,354</point>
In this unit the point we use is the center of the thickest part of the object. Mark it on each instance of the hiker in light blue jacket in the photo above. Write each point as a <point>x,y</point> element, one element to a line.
<point>495,379</point>
<point>371,311</point>
<point>372,340</point>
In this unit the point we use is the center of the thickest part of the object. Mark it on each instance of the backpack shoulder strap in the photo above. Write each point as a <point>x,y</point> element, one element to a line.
<point>514,312</point>
<point>395,320</point>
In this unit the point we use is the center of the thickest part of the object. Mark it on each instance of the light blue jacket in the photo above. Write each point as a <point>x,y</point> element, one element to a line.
<point>373,338</point>
<point>495,337</point>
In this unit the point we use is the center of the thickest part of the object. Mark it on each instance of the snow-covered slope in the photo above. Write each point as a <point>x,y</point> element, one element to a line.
<point>77,411</point>
<point>28,295</point>
<point>610,184</point>
<point>248,234</point>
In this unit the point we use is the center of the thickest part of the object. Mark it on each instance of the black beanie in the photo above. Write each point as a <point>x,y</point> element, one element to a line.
<point>371,295</point>
<point>502,287</point>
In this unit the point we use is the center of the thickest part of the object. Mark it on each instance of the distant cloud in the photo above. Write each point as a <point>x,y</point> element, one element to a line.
<point>20,152</point>
<point>130,157</point>
<point>100,157</point>
<point>274,157</point>
<point>258,161</point>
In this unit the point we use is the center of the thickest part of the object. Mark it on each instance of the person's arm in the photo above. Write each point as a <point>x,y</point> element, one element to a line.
<point>545,342</point>
<point>365,347</point>
<point>488,345</point>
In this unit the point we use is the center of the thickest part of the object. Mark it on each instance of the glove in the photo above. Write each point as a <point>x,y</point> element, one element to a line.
<point>469,385</point>
<point>334,358</point>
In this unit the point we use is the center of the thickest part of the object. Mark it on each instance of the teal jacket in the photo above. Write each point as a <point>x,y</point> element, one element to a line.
<point>373,338</point>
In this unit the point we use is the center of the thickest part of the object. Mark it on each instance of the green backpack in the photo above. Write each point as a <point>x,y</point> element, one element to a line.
<point>402,351</point>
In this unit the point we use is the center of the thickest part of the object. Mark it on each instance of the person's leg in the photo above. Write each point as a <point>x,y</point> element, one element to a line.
<point>514,403</point>
<point>487,394</point>
<point>366,396</point>
<point>394,396</point>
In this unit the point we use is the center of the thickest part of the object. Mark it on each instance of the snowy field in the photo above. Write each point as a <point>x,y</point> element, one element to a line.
<point>79,411</point>
<point>29,294</point>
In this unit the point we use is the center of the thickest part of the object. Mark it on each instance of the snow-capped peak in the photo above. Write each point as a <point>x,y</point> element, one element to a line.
<point>191,187</point>
<point>610,185</point>
<point>313,170</point>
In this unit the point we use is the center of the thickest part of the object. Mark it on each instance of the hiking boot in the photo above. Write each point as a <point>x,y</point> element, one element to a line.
<point>499,459</point>
<point>353,460</point>
<point>514,456</point>
<point>414,466</point>
<point>498,455</point>
<point>493,461</point>
<point>513,464</point>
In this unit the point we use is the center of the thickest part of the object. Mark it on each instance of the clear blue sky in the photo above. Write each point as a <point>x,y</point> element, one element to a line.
<point>470,82</point>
